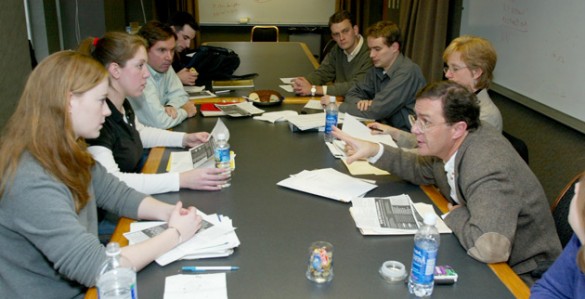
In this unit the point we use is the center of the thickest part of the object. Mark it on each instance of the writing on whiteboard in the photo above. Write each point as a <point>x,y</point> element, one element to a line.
<point>514,15</point>
<point>225,7</point>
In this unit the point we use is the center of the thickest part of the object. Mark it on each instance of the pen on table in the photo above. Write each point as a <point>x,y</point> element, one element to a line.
<point>224,91</point>
<point>209,268</point>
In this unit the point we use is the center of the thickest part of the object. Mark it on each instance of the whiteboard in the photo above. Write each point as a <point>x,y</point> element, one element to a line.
<point>540,46</point>
<point>272,12</point>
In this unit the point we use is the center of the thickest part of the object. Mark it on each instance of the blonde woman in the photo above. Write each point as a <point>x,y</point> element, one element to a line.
<point>51,187</point>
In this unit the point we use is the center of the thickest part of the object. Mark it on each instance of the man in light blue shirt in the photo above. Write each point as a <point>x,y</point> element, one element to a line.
<point>164,103</point>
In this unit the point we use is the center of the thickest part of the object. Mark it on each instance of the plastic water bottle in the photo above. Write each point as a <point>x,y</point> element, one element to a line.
<point>331,112</point>
<point>222,154</point>
<point>426,247</point>
<point>116,280</point>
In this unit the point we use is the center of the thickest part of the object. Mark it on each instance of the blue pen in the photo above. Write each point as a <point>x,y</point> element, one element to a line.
<point>209,268</point>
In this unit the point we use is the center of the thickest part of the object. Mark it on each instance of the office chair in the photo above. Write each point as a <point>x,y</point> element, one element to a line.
<point>560,210</point>
<point>518,145</point>
<point>328,46</point>
<point>264,34</point>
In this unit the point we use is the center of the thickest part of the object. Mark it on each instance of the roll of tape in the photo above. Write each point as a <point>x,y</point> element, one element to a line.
<point>393,271</point>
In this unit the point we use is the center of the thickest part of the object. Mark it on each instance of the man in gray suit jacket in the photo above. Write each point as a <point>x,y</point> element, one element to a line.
<point>498,209</point>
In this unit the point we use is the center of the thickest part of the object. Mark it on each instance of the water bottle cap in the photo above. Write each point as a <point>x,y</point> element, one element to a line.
<point>113,249</point>
<point>332,99</point>
<point>430,219</point>
<point>393,271</point>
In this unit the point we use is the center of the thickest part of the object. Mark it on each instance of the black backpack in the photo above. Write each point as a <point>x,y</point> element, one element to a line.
<point>216,63</point>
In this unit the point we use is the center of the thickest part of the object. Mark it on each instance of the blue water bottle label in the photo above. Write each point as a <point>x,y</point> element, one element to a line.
<point>222,155</point>
<point>133,291</point>
<point>330,122</point>
<point>423,265</point>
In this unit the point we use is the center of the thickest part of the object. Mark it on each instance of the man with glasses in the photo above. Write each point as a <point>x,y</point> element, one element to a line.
<point>346,63</point>
<point>470,61</point>
<point>388,91</point>
<point>498,209</point>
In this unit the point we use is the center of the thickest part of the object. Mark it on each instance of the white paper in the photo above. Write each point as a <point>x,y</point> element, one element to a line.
<point>193,88</point>
<point>240,109</point>
<point>314,104</point>
<point>276,116</point>
<point>204,94</point>
<point>218,240</point>
<point>365,215</point>
<point>328,183</point>
<point>188,286</point>
<point>287,80</point>
<point>220,127</point>
<point>287,87</point>
<point>363,167</point>
<point>352,126</point>
<point>219,237</point>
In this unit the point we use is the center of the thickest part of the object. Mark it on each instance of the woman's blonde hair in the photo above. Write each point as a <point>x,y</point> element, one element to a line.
<point>41,124</point>
<point>476,53</point>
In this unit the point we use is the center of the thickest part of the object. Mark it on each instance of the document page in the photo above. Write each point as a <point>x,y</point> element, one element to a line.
<point>352,126</point>
<point>393,215</point>
<point>328,183</point>
<point>183,286</point>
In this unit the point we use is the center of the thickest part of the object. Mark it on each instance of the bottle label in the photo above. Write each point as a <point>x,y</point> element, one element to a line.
<point>222,155</point>
<point>330,122</point>
<point>423,264</point>
<point>133,291</point>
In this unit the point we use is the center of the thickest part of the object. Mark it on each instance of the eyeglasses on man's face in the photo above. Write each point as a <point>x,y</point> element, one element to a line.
<point>421,124</point>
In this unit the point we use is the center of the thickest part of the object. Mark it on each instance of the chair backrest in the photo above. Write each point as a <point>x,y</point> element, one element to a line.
<point>328,46</point>
<point>264,34</point>
<point>518,145</point>
<point>560,210</point>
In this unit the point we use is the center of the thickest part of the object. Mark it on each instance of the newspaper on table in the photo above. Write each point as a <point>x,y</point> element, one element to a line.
<point>216,238</point>
<point>240,109</point>
<point>393,215</point>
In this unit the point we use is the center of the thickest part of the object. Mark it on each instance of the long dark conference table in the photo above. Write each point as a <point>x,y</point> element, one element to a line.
<point>276,225</point>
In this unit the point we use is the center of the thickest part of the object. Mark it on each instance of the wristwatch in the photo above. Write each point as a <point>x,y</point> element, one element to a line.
<point>313,90</point>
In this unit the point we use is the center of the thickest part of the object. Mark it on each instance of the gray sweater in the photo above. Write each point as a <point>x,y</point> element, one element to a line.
<point>335,68</point>
<point>47,250</point>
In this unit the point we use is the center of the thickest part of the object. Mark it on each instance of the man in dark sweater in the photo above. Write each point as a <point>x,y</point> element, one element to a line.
<point>346,63</point>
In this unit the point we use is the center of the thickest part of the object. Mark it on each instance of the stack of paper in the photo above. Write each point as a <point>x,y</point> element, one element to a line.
<point>216,238</point>
<point>328,183</point>
<point>240,109</point>
<point>394,215</point>
<point>355,128</point>
<point>210,109</point>
<point>273,117</point>
<point>305,122</point>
